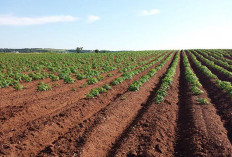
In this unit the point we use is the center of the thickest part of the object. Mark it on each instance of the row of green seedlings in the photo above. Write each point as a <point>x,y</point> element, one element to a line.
<point>167,80</point>
<point>214,66</point>
<point>217,61</point>
<point>135,86</point>
<point>128,75</point>
<point>67,79</point>
<point>224,85</point>
<point>219,55</point>
<point>193,81</point>
<point>14,78</point>
<point>90,80</point>
<point>125,74</point>
<point>131,74</point>
<point>91,74</point>
<point>130,67</point>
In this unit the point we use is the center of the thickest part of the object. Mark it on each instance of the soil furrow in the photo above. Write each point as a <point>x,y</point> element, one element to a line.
<point>103,128</point>
<point>219,74</point>
<point>48,104</point>
<point>30,91</point>
<point>152,133</point>
<point>221,100</point>
<point>200,130</point>
<point>215,62</point>
<point>34,135</point>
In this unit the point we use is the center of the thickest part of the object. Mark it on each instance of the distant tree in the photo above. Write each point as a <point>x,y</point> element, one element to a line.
<point>104,51</point>
<point>79,49</point>
<point>96,51</point>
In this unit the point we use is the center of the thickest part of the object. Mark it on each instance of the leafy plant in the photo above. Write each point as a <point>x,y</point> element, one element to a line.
<point>43,87</point>
<point>106,86</point>
<point>54,77</point>
<point>74,89</point>
<point>93,93</point>
<point>92,81</point>
<point>69,79</point>
<point>202,101</point>
<point>18,86</point>
<point>196,91</point>
<point>100,78</point>
<point>83,85</point>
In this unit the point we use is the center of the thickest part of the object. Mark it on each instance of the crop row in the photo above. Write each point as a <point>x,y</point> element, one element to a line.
<point>224,85</point>
<point>215,60</point>
<point>137,84</point>
<point>219,55</point>
<point>167,80</point>
<point>60,66</point>
<point>125,76</point>
<point>193,80</point>
<point>213,65</point>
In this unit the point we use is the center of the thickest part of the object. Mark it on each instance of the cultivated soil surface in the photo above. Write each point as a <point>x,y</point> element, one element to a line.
<point>62,122</point>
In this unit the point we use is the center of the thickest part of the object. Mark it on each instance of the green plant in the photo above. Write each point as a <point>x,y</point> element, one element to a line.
<point>83,85</point>
<point>109,75</point>
<point>92,81</point>
<point>202,101</point>
<point>80,76</point>
<point>117,81</point>
<point>100,78</point>
<point>43,87</point>
<point>93,93</point>
<point>167,80</point>
<point>101,90</point>
<point>54,77</point>
<point>69,79</point>
<point>18,86</point>
<point>106,86</point>
<point>196,91</point>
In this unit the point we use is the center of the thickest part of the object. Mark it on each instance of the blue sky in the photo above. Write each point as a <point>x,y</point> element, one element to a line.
<point>116,24</point>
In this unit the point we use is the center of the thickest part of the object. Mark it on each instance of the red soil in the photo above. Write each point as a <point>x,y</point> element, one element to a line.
<point>62,122</point>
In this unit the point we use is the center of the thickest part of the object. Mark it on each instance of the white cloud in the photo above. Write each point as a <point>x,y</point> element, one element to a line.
<point>149,12</point>
<point>24,21</point>
<point>93,18</point>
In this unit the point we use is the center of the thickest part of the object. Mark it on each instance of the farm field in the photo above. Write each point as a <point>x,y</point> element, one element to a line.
<point>136,103</point>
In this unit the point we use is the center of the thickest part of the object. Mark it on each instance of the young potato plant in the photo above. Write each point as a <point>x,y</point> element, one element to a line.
<point>202,101</point>
<point>54,77</point>
<point>18,86</point>
<point>96,92</point>
<point>68,79</point>
<point>92,81</point>
<point>43,87</point>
